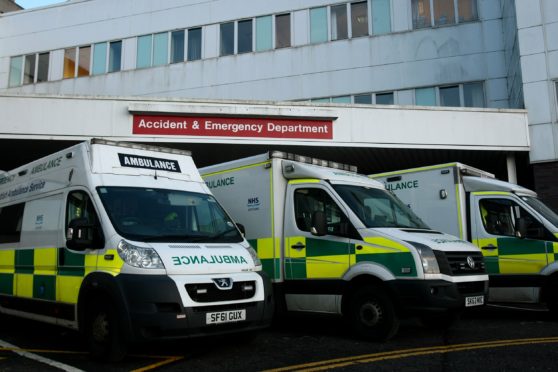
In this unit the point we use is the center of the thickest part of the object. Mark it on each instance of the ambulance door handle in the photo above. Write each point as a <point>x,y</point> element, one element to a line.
<point>489,247</point>
<point>298,246</point>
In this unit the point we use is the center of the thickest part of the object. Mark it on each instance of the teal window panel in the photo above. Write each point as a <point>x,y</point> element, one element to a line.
<point>342,99</point>
<point>160,49</point>
<point>381,17</point>
<point>263,33</point>
<point>143,58</point>
<point>99,58</point>
<point>16,64</point>
<point>425,97</point>
<point>318,25</point>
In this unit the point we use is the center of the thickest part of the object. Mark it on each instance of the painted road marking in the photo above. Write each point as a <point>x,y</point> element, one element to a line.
<point>29,355</point>
<point>406,353</point>
<point>167,360</point>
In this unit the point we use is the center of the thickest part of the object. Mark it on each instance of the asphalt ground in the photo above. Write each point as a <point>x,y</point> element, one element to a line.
<point>486,339</point>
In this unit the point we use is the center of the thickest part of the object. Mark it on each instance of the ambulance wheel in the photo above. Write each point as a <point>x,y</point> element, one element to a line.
<point>104,336</point>
<point>442,320</point>
<point>371,315</point>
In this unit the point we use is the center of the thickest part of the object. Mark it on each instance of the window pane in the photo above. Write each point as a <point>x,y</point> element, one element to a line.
<point>365,99</point>
<point>84,61</point>
<point>467,10</point>
<point>15,71</point>
<point>194,44</point>
<point>160,48</point>
<point>381,17</point>
<point>444,12</point>
<point>473,94</point>
<point>177,46</point>
<point>69,63</point>
<point>245,36</point>
<point>143,58</point>
<point>263,33</point>
<point>42,73</point>
<point>320,100</point>
<point>341,99</point>
<point>384,98</point>
<point>10,223</point>
<point>339,22</point>
<point>227,39</point>
<point>359,19</point>
<point>29,69</point>
<point>449,96</point>
<point>318,25</point>
<point>115,56</point>
<point>283,31</point>
<point>421,13</point>
<point>99,58</point>
<point>425,97</point>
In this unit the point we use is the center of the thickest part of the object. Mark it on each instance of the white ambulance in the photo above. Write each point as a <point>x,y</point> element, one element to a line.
<point>125,242</point>
<point>337,242</point>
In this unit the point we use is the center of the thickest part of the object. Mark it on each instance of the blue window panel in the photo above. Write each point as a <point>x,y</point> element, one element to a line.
<point>194,44</point>
<point>263,34</point>
<point>341,99</point>
<point>99,59</point>
<point>425,97</point>
<point>143,58</point>
<point>381,17</point>
<point>115,56</point>
<point>177,46</point>
<point>160,49</point>
<point>318,25</point>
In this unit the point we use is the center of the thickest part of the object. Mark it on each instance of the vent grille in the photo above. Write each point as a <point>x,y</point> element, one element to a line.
<point>455,263</point>
<point>208,292</point>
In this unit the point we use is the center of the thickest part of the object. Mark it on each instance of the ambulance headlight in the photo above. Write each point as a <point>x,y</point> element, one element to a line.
<point>255,257</point>
<point>144,258</point>
<point>428,259</point>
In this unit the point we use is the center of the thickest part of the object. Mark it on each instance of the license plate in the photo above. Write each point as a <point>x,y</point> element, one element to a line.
<point>474,301</point>
<point>225,316</point>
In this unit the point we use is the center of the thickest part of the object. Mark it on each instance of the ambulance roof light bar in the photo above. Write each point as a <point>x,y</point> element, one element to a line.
<point>314,161</point>
<point>139,146</point>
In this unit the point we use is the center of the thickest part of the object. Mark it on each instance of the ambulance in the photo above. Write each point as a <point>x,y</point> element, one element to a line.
<point>516,232</point>
<point>124,242</point>
<point>336,242</point>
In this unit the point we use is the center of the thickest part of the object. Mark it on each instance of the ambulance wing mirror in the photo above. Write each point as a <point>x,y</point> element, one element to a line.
<point>520,227</point>
<point>82,234</point>
<point>319,224</point>
<point>241,228</point>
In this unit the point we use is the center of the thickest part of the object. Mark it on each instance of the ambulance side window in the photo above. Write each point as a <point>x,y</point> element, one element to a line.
<point>501,216</point>
<point>80,206</point>
<point>11,218</point>
<point>308,201</point>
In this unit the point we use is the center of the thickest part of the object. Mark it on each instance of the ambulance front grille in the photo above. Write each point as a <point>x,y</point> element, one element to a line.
<point>455,263</point>
<point>208,292</point>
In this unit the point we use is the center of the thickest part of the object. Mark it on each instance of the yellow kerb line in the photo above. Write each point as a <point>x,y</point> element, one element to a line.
<point>370,358</point>
<point>159,364</point>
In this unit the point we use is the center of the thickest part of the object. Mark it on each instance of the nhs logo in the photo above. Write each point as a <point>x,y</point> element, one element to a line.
<point>253,203</point>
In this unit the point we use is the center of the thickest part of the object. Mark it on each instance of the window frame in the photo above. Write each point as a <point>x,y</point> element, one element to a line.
<point>290,36</point>
<point>252,35</point>
<point>456,20</point>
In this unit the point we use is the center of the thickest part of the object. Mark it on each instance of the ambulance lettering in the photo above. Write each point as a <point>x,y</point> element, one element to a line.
<point>213,259</point>
<point>402,185</point>
<point>220,182</point>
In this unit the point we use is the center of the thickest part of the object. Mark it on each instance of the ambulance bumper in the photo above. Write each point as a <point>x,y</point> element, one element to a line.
<point>425,296</point>
<point>155,311</point>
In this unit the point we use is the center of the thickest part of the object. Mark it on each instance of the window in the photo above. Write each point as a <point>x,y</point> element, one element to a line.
<point>473,94</point>
<point>381,17</point>
<point>227,39</point>
<point>194,44</point>
<point>556,91</point>
<point>42,69</point>
<point>309,201</point>
<point>384,98</point>
<point>264,32</point>
<point>425,97</point>
<point>318,25</point>
<point>29,69</point>
<point>339,22</point>
<point>143,55</point>
<point>449,96</point>
<point>15,71</point>
<point>99,59</point>
<point>69,63</point>
<point>245,36</point>
<point>421,13</point>
<point>80,206</point>
<point>321,100</point>
<point>84,61</point>
<point>282,31</point>
<point>160,48</point>
<point>365,99</point>
<point>115,56</point>
<point>177,46</point>
<point>341,99</point>
<point>359,19</point>
<point>11,218</point>
<point>428,13</point>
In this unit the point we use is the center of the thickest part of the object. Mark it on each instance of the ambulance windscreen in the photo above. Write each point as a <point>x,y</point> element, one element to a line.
<point>378,208</point>
<point>159,215</point>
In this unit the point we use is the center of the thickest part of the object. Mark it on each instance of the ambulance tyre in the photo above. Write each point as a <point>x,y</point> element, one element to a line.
<point>104,336</point>
<point>371,314</point>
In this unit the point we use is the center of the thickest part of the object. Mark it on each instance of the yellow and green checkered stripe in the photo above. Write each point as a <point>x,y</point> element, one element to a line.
<point>269,253</point>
